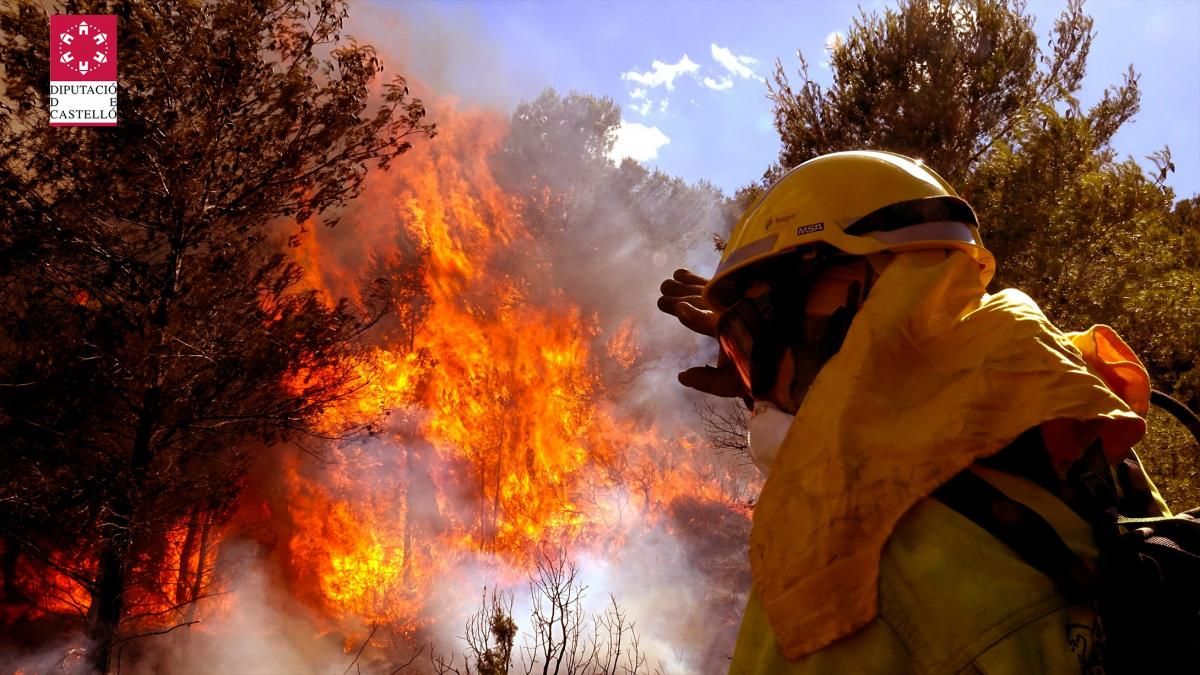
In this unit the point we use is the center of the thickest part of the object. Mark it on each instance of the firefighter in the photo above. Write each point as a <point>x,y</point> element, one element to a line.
<point>851,311</point>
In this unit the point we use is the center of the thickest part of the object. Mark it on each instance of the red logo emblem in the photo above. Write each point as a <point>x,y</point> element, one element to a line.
<point>83,48</point>
<point>83,70</point>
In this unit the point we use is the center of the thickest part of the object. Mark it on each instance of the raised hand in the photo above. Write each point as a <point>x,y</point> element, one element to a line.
<point>681,299</point>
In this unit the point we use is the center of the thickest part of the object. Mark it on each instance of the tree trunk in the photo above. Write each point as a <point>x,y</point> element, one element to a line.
<point>198,577</point>
<point>504,434</point>
<point>482,500</point>
<point>108,601</point>
<point>185,557</point>
<point>8,571</point>
<point>496,496</point>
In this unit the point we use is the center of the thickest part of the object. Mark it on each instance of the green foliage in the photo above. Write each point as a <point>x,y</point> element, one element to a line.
<point>559,141</point>
<point>556,157</point>
<point>1172,458</point>
<point>491,635</point>
<point>937,80</point>
<point>1093,240</point>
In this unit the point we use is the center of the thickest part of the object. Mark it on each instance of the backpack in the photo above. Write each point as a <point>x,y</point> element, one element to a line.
<point>1145,585</point>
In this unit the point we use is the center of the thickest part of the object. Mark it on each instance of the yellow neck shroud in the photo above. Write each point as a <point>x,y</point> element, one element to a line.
<point>934,374</point>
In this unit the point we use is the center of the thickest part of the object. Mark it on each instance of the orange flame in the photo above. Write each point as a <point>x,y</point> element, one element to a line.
<point>502,436</point>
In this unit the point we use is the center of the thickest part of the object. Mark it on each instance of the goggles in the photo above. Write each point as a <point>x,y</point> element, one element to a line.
<point>755,332</point>
<point>751,336</point>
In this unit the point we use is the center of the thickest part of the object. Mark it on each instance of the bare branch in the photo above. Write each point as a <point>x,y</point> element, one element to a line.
<point>357,654</point>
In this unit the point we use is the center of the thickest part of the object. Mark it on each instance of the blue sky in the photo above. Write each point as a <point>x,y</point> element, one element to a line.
<point>707,116</point>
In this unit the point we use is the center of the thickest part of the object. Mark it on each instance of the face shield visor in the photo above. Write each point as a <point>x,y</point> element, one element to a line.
<point>750,334</point>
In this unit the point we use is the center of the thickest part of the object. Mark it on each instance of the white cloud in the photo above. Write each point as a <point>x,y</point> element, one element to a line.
<point>641,101</point>
<point>663,74</point>
<point>637,141</point>
<point>660,75</point>
<point>736,65</point>
<point>719,85</point>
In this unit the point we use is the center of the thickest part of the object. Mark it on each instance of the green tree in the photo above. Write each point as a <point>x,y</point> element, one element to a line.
<point>937,80</point>
<point>151,334</point>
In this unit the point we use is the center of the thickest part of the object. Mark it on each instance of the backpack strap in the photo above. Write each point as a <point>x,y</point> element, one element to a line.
<point>1022,529</point>
<point>1143,585</point>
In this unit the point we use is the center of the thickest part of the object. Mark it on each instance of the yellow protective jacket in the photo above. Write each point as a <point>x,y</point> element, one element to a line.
<point>934,375</point>
<point>952,599</point>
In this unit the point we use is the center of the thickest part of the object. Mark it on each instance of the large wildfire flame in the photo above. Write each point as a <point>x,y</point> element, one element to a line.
<point>498,429</point>
<point>503,438</point>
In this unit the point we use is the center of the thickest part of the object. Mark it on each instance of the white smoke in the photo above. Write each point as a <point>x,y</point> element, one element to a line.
<point>254,628</point>
<point>67,655</point>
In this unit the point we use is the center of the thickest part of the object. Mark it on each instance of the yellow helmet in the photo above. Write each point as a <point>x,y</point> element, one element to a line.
<point>858,202</point>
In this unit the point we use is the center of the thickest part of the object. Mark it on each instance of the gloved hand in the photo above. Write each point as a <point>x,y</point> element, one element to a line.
<point>681,299</point>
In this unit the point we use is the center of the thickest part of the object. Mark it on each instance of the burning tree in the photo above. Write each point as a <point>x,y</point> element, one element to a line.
<point>152,337</point>
<point>514,421</point>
